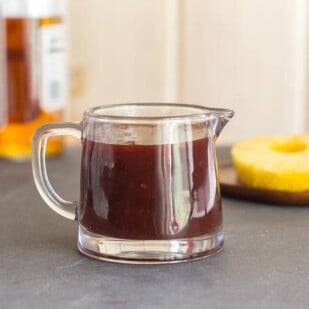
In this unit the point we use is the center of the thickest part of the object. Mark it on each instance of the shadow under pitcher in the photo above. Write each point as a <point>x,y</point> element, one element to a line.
<point>149,188</point>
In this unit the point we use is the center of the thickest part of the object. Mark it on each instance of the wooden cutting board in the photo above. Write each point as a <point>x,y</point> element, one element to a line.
<point>231,187</point>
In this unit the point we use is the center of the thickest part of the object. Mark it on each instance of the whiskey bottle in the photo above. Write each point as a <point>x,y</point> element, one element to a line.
<point>36,73</point>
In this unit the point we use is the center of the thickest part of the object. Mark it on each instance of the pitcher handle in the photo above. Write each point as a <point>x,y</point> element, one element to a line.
<point>61,206</point>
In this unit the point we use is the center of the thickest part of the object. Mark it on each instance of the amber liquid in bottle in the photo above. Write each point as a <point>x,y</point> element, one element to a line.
<point>25,114</point>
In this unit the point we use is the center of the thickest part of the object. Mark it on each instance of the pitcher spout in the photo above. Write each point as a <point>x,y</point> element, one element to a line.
<point>223,116</point>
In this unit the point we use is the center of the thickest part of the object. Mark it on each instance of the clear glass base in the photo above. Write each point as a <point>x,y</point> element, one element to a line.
<point>148,251</point>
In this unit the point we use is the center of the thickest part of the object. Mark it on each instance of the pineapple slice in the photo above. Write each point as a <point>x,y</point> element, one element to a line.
<point>274,162</point>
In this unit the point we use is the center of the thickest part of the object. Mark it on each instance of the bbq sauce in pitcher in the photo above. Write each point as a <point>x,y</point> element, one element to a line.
<point>154,192</point>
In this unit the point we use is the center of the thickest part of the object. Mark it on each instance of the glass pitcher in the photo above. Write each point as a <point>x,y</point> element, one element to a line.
<point>149,182</point>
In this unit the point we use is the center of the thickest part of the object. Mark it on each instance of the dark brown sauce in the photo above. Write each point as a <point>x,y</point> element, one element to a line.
<point>149,191</point>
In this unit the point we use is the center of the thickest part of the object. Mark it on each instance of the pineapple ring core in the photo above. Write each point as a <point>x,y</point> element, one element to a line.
<point>273,162</point>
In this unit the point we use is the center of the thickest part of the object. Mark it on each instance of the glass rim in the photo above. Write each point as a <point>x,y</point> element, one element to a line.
<point>200,111</point>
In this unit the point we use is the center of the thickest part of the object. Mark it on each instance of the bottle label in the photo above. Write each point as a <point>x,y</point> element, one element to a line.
<point>53,88</point>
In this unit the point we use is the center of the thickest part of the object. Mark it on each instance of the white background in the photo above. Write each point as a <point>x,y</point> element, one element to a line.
<point>250,56</point>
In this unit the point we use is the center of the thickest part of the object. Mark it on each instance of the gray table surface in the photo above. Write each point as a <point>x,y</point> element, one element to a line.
<point>265,262</point>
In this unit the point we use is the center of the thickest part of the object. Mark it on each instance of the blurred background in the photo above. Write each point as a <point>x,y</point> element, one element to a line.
<point>250,56</point>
